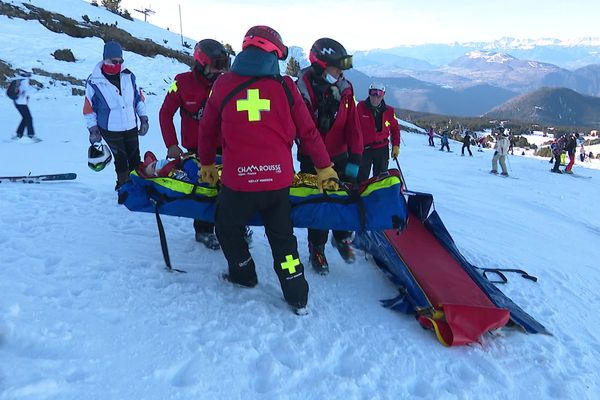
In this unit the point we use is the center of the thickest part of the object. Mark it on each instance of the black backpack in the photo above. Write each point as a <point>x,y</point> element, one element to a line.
<point>12,91</point>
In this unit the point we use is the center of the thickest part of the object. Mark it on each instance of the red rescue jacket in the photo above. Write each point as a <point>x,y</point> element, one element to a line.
<point>389,127</point>
<point>188,94</point>
<point>344,136</point>
<point>257,127</point>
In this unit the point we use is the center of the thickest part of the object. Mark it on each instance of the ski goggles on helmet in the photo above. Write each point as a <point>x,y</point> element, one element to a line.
<point>376,92</point>
<point>343,63</point>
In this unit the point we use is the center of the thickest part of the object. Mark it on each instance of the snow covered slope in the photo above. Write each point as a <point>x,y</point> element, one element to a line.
<point>88,312</point>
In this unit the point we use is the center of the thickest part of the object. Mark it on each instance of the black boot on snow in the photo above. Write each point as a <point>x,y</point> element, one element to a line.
<point>208,239</point>
<point>344,248</point>
<point>299,310</point>
<point>247,285</point>
<point>317,259</point>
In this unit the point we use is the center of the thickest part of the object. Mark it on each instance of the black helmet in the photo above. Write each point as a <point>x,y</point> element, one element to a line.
<point>328,52</point>
<point>210,52</point>
<point>98,156</point>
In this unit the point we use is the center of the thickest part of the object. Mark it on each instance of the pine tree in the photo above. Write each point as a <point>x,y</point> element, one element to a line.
<point>112,5</point>
<point>293,67</point>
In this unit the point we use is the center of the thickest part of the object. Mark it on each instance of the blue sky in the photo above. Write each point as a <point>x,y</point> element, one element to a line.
<point>362,25</point>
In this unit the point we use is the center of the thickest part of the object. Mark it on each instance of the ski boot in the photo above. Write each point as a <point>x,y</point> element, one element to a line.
<point>344,248</point>
<point>493,171</point>
<point>246,285</point>
<point>209,239</point>
<point>298,310</point>
<point>318,259</point>
<point>504,174</point>
<point>556,171</point>
<point>568,172</point>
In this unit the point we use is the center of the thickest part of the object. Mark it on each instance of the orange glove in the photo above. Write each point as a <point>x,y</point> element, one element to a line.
<point>395,151</point>
<point>209,174</point>
<point>325,178</point>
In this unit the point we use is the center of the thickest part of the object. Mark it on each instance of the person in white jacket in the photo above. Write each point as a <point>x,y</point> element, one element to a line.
<point>501,147</point>
<point>22,105</point>
<point>111,108</point>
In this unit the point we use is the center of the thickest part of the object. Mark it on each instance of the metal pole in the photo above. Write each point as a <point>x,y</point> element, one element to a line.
<point>180,25</point>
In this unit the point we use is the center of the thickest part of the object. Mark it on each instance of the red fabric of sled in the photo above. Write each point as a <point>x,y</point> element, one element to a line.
<point>467,309</point>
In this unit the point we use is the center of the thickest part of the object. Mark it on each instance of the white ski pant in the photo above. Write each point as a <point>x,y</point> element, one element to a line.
<point>502,158</point>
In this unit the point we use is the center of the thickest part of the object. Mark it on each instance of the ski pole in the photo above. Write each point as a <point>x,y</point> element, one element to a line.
<point>401,174</point>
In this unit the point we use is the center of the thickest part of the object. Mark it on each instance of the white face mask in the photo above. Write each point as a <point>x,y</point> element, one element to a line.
<point>160,164</point>
<point>330,78</point>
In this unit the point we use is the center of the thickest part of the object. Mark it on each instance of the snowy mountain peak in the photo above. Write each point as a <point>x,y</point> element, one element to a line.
<point>490,56</point>
<point>509,43</point>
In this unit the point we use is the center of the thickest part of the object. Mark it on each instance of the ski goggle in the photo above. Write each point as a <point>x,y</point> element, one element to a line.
<point>376,92</point>
<point>344,63</point>
<point>114,61</point>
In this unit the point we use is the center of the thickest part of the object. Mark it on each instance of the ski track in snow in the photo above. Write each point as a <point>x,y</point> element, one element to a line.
<point>87,310</point>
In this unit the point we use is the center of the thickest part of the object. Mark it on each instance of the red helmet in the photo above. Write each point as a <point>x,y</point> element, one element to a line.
<point>210,52</point>
<point>267,39</point>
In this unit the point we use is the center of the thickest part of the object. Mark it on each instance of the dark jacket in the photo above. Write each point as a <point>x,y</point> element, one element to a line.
<point>571,146</point>
<point>467,138</point>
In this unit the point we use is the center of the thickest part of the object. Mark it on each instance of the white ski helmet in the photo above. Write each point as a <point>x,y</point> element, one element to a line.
<point>99,156</point>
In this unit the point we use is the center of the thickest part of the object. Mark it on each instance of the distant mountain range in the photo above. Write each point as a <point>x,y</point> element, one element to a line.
<point>569,54</point>
<point>413,94</point>
<point>553,106</point>
<point>464,79</point>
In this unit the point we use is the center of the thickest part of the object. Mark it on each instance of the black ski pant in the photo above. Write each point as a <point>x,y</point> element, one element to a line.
<point>125,148</point>
<point>26,120</point>
<point>234,211</point>
<point>556,163</point>
<point>431,141</point>
<point>446,145</point>
<point>376,158</point>
<point>466,146</point>
<point>199,225</point>
<point>318,237</point>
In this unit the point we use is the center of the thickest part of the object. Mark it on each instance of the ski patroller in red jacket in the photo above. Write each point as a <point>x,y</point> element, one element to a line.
<point>389,127</point>
<point>188,94</point>
<point>344,136</point>
<point>256,128</point>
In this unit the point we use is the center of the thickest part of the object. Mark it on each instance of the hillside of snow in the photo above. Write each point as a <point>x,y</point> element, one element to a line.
<point>87,310</point>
